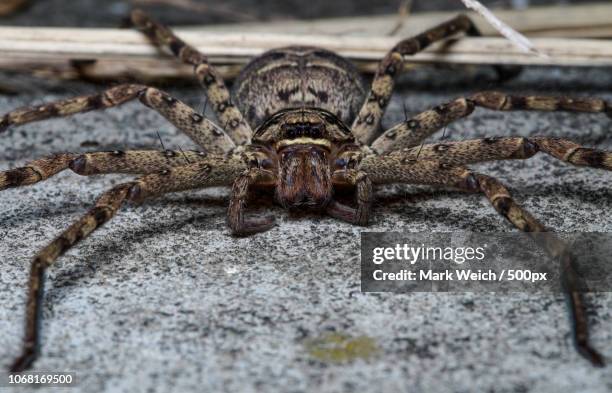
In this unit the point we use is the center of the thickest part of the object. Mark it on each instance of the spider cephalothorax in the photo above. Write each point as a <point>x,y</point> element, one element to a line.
<point>301,101</point>
<point>305,146</point>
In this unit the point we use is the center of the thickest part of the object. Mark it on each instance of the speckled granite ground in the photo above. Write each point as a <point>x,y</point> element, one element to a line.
<point>164,299</point>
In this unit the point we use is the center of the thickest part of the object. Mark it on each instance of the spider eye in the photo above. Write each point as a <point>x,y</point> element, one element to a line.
<point>315,131</point>
<point>342,162</point>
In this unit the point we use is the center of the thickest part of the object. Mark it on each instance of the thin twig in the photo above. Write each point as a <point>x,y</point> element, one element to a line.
<point>504,29</point>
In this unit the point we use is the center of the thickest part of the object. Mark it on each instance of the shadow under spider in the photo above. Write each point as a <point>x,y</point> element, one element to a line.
<point>104,251</point>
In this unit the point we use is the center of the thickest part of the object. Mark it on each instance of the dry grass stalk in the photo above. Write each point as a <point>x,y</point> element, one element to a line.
<point>235,48</point>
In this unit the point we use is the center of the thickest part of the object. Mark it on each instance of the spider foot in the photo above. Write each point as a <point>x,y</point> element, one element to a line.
<point>13,178</point>
<point>4,124</point>
<point>591,354</point>
<point>4,181</point>
<point>348,214</point>
<point>19,177</point>
<point>23,362</point>
<point>253,225</point>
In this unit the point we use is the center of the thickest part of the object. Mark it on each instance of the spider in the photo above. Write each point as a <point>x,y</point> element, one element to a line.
<point>286,129</point>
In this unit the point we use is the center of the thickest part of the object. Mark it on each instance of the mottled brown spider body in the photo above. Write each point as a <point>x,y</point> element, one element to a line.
<point>300,99</point>
<point>298,76</point>
<point>315,130</point>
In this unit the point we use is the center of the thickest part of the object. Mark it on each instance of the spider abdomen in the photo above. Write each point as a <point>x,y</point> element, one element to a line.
<point>298,76</point>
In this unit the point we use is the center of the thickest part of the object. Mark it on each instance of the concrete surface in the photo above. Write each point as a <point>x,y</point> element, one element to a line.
<point>163,298</point>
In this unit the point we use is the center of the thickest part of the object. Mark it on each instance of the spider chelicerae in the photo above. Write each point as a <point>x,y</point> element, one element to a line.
<point>285,128</point>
